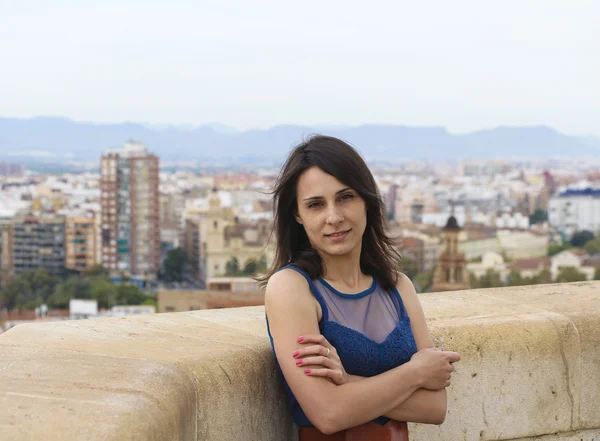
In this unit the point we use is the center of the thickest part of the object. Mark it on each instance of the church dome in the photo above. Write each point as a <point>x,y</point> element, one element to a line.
<point>452,224</point>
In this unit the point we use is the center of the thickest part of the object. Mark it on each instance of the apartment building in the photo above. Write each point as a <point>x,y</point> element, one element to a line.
<point>575,210</point>
<point>6,252</point>
<point>38,241</point>
<point>80,235</point>
<point>130,238</point>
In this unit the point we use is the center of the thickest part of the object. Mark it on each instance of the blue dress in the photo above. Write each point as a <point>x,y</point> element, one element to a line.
<point>370,331</point>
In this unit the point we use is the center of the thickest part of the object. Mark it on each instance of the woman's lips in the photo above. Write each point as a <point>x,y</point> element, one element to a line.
<point>336,237</point>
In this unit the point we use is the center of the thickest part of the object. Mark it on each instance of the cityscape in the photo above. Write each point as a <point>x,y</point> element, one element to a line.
<point>133,237</point>
<point>149,157</point>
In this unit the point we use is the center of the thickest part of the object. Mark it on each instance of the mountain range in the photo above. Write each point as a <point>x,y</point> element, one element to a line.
<point>60,139</point>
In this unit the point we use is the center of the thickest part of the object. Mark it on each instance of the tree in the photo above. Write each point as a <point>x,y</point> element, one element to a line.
<point>538,217</point>
<point>424,281</point>
<point>516,279</point>
<point>75,287</point>
<point>262,263</point>
<point>580,238</point>
<point>408,267</point>
<point>557,248</point>
<point>250,267</point>
<point>127,294</point>
<point>544,276</point>
<point>569,274</point>
<point>491,279</point>
<point>96,270</point>
<point>597,273</point>
<point>232,268</point>
<point>593,246</point>
<point>28,290</point>
<point>103,291</point>
<point>174,265</point>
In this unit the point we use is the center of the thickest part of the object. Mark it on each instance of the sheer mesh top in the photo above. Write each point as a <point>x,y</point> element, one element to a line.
<point>370,330</point>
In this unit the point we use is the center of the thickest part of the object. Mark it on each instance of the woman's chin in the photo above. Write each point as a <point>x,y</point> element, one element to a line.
<point>339,250</point>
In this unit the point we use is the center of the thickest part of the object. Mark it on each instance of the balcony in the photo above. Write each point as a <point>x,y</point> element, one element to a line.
<point>529,369</point>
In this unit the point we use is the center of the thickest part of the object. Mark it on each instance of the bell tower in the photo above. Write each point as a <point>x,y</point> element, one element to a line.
<point>451,271</point>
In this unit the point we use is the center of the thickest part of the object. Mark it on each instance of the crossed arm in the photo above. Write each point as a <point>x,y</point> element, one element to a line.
<point>414,391</point>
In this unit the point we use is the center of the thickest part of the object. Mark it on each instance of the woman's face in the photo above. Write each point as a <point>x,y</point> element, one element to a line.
<point>334,216</point>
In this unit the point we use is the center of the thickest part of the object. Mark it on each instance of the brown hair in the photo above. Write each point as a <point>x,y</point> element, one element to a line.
<point>335,157</point>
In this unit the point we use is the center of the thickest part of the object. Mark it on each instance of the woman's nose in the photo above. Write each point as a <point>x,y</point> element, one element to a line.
<point>334,216</point>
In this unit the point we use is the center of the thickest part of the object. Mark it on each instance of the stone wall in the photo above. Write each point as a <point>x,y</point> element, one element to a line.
<point>530,370</point>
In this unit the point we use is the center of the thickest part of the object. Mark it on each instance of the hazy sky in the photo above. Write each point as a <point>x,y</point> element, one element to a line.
<point>462,64</point>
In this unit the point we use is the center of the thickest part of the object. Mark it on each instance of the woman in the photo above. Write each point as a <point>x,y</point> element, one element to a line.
<point>346,327</point>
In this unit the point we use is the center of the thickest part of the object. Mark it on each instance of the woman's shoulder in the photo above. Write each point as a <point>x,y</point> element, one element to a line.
<point>405,286</point>
<point>288,292</point>
<point>287,282</point>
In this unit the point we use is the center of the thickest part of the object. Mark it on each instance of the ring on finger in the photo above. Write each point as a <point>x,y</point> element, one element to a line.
<point>327,355</point>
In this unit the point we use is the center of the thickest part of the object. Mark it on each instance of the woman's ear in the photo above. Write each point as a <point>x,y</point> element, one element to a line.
<point>298,218</point>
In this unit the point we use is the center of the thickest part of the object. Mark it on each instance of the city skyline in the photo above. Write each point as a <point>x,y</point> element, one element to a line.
<point>464,66</point>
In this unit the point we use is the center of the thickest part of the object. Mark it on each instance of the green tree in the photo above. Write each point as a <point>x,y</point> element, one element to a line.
<point>103,290</point>
<point>127,294</point>
<point>409,267</point>
<point>424,281</point>
<point>75,287</point>
<point>516,279</point>
<point>569,274</point>
<point>96,270</point>
<point>538,217</point>
<point>597,273</point>
<point>174,265</point>
<point>232,268</point>
<point>491,279</point>
<point>150,301</point>
<point>262,263</point>
<point>580,238</point>
<point>557,248</point>
<point>544,276</point>
<point>593,246</point>
<point>28,290</point>
<point>250,267</point>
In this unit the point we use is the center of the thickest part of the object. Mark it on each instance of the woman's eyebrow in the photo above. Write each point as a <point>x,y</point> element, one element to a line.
<point>321,197</point>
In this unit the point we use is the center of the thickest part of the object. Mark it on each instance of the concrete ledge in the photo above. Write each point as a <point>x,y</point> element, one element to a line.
<point>530,370</point>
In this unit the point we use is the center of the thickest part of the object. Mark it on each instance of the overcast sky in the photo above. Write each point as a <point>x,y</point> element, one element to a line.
<point>462,64</point>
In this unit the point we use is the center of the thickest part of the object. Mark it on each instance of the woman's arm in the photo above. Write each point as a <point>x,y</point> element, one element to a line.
<point>423,406</point>
<point>292,312</point>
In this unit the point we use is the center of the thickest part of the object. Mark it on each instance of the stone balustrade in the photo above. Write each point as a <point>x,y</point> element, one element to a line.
<point>530,370</point>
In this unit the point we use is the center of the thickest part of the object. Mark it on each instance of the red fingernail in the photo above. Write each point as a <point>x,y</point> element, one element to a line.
<point>298,361</point>
<point>307,371</point>
<point>295,354</point>
<point>300,339</point>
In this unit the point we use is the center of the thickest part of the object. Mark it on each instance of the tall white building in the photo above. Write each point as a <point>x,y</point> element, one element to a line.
<point>575,210</point>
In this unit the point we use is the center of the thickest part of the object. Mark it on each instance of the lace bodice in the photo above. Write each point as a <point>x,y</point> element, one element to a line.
<point>370,330</point>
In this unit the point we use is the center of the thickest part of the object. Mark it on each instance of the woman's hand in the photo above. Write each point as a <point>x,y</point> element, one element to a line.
<point>435,367</point>
<point>319,358</point>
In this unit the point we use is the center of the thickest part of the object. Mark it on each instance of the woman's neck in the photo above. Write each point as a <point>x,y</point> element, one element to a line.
<point>344,271</point>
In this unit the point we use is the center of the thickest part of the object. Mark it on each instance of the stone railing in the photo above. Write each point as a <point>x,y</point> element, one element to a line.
<point>530,368</point>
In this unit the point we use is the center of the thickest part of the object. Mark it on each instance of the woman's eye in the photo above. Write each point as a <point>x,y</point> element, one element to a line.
<point>347,196</point>
<point>314,205</point>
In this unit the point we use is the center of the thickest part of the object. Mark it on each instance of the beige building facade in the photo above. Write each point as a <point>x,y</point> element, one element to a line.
<point>80,243</point>
<point>215,238</point>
